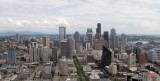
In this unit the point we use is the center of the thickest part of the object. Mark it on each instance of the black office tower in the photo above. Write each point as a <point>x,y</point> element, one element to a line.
<point>106,57</point>
<point>106,38</point>
<point>98,31</point>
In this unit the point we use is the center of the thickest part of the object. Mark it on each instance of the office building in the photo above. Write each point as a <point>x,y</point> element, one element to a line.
<point>46,41</point>
<point>152,56</point>
<point>11,54</point>
<point>113,68</point>
<point>98,31</point>
<point>63,66</point>
<point>106,56</point>
<point>17,36</point>
<point>64,48</point>
<point>123,43</point>
<point>62,33</point>
<point>132,60</point>
<point>33,55</point>
<point>98,44</point>
<point>141,57</point>
<point>54,54</point>
<point>113,39</point>
<point>47,68</point>
<point>78,48</point>
<point>33,45</point>
<point>88,46</point>
<point>77,37</point>
<point>70,46</point>
<point>106,38</point>
<point>44,54</point>
<point>89,36</point>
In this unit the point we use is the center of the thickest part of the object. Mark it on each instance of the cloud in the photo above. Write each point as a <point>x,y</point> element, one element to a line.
<point>125,15</point>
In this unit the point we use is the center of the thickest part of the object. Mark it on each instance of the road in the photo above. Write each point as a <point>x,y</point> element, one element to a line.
<point>81,73</point>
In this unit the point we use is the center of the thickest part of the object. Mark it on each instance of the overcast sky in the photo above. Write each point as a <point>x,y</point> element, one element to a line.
<point>126,16</point>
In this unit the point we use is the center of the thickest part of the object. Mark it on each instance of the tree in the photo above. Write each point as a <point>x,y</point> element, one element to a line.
<point>14,72</point>
<point>5,72</point>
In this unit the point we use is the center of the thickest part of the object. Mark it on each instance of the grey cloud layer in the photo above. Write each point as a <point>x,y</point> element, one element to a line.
<point>127,16</point>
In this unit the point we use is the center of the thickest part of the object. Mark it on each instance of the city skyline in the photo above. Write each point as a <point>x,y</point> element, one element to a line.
<point>130,17</point>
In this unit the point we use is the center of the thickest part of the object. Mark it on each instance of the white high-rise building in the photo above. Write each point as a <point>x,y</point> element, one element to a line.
<point>62,33</point>
<point>34,55</point>
<point>132,60</point>
<point>44,54</point>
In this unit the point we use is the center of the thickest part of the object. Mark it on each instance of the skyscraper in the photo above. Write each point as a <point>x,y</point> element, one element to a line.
<point>11,54</point>
<point>62,33</point>
<point>98,31</point>
<point>44,54</point>
<point>17,36</point>
<point>77,41</point>
<point>77,37</point>
<point>123,42</point>
<point>34,54</point>
<point>89,36</point>
<point>106,39</point>
<point>106,57</point>
<point>54,54</point>
<point>46,41</point>
<point>132,60</point>
<point>64,48</point>
<point>113,39</point>
<point>70,46</point>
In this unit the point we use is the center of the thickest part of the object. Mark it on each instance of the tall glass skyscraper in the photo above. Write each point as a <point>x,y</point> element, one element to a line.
<point>98,31</point>
<point>106,57</point>
<point>11,54</point>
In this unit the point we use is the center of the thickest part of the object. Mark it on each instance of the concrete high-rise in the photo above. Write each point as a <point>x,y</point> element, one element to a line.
<point>46,41</point>
<point>34,55</point>
<point>45,54</point>
<point>64,48</point>
<point>113,39</point>
<point>17,36</point>
<point>106,38</point>
<point>77,37</point>
<point>132,60</point>
<point>62,33</point>
<point>98,44</point>
<point>89,36</point>
<point>33,45</point>
<point>63,66</point>
<point>98,31</point>
<point>70,46</point>
<point>123,43</point>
